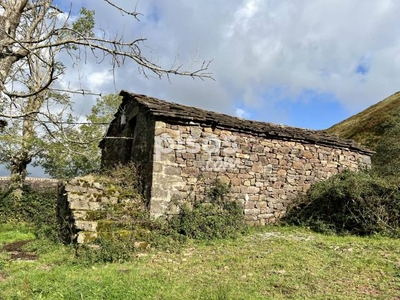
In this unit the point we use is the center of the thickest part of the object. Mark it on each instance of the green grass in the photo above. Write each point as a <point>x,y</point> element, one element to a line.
<point>10,233</point>
<point>273,263</point>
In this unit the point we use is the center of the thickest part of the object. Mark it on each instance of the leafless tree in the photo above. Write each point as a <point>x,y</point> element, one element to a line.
<point>32,35</point>
<point>29,26</point>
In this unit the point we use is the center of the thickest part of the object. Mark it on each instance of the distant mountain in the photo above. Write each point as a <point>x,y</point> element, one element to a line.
<point>368,126</point>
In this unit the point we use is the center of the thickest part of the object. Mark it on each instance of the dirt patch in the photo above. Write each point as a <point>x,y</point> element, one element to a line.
<point>15,249</point>
<point>3,277</point>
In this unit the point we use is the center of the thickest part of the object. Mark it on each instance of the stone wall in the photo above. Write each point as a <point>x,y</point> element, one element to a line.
<point>40,184</point>
<point>85,204</point>
<point>265,174</point>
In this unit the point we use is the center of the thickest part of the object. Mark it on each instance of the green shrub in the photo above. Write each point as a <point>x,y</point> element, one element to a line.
<point>215,217</point>
<point>386,160</point>
<point>37,208</point>
<point>349,202</point>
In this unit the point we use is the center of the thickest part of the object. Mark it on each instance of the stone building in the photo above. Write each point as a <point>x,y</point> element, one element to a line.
<point>182,150</point>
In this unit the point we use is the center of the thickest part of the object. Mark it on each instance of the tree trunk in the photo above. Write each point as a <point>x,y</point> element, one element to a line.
<point>19,170</point>
<point>9,20</point>
<point>20,162</point>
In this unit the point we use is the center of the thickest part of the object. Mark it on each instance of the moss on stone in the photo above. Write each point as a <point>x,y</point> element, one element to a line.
<point>95,215</point>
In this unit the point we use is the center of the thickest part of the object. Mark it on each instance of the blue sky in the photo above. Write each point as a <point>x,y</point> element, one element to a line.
<point>305,63</point>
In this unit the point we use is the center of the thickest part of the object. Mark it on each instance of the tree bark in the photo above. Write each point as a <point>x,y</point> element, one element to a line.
<point>20,162</point>
<point>9,22</point>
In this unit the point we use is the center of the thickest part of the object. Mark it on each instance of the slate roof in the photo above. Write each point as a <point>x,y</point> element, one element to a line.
<point>164,110</point>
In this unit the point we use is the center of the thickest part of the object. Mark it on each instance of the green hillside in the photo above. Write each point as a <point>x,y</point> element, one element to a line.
<point>368,126</point>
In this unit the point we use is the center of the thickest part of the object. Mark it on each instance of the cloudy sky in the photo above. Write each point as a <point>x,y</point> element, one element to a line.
<point>305,63</point>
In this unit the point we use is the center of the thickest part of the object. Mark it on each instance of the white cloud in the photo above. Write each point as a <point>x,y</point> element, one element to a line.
<point>259,46</point>
<point>97,79</point>
<point>264,51</point>
<point>241,113</point>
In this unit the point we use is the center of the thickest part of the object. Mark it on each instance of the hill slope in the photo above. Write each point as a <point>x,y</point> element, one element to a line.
<point>368,126</point>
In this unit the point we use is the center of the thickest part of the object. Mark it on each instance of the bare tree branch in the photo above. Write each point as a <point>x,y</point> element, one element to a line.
<point>33,34</point>
<point>134,13</point>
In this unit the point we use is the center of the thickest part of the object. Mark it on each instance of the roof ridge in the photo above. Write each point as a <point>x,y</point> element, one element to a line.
<point>180,112</point>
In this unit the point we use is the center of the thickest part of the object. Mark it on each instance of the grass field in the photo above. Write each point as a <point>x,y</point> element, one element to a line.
<point>272,263</point>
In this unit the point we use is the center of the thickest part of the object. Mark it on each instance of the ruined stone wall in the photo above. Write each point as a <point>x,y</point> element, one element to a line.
<point>86,204</point>
<point>38,184</point>
<point>265,174</point>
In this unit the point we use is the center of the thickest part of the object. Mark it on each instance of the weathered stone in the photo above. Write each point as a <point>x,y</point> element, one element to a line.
<point>258,149</point>
<point>281,172</point>
<point>252,211</point>
<point>167,132</point>
<point>86,237</point>
<point>249,190</point>
<point>168,170</point>
<point>84,205</point>
<point>182,150</point>
<point>307,154</point>
<point>298,165</point>
<point>235,181</point>
<point>224,179</point>
<point>241,155</point>
<point>257,167</point>
<point>86,225</point>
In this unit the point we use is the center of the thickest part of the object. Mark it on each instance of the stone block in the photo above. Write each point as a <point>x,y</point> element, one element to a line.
<point>241,155</point>
<point>257,167</point>
<point>85,237</point>
<point>169,170</point>
<point>253,212</point>
<point>160,124</point>
<point>248,163</point>
<point>82,205</point>
<point>224,179</point>
<point>281,172</point>
<point>190,171</point>
<point>75,188</point>
<point>250,204</point>
<point>298,165</point>
<point>90,226</point>
<point>158,207</point>
<point>235,181</point>
<point>258,148</point>
<point>196,131</point>
<point>266,216</point>
<point>307,154</point>
<point>253,157</point>
<point>168,133</point>
<point>192,180</point>
<point>249,190</point>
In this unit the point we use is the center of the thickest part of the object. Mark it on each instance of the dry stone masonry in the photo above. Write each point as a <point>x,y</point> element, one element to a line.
<point>38,184</point>
<point>264,174</point>
<point>85,204</point>
<point>181,150</point>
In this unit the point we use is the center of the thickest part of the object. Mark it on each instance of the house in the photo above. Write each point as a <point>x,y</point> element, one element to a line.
<point>180,151</point>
